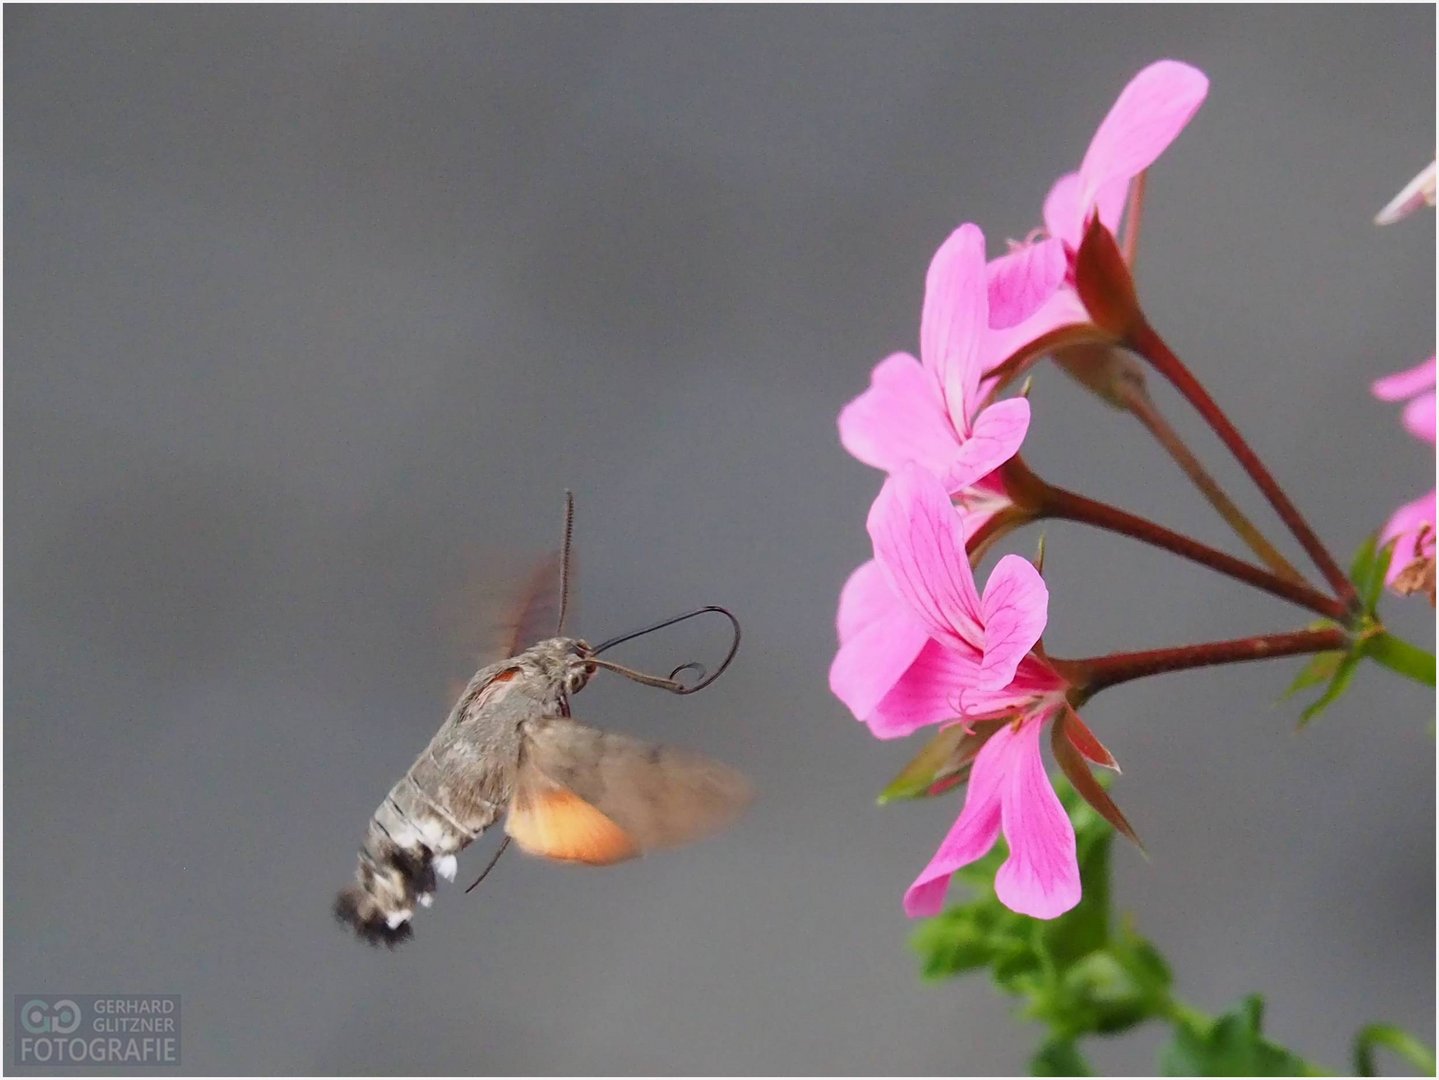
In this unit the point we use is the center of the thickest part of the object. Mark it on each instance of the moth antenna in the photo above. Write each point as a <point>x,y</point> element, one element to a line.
<point>493,859</point>
<point>564,573</point>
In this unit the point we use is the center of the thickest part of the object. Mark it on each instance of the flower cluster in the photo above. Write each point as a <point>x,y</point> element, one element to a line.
<point>920,644</point>
<point>1411,527</point>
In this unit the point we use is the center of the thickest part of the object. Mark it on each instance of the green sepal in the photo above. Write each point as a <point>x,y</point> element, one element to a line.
<point>1338,683</point>
<point>1368,570</point>
<point>1320,669</point>
<point>943,763</point>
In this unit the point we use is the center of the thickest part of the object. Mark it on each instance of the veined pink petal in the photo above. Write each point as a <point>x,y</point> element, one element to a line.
<point>1406,383</point>
<point>1148,115</point>
<point>1419,417</point>
<point>926,693</point>
<point>879,640</point>
<point>1063,214</point>
<point>1041,876</point>
<point>973,833</point>
<point>919,541</point>
<point>1063,308</point>
<point>1014,609</point>
<point>870,662</point>
<point>997,434</point>
<point>955,316</point>
<point>1022,280</point>
<point>955,296</point>
<point>865,598</point>
<point>900,418</point>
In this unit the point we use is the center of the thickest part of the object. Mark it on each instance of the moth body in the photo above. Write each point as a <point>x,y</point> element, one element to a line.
<point>457,788</point>
<point>570,793</point>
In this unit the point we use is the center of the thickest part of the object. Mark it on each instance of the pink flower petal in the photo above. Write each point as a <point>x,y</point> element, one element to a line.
<point>1063,213</point>
<point>1419,417</point>
<point>1408,524</point>
<point>1062,309</point>
<point>996,437</point>
<point>973,833</point>
<point>919,541</point>
<point>1014,610</point>
<point>926,693</point>
<point>1023,280</point>
<point>879,640</point>
<point>1418,192</point>
<point>1148,115</point>
<point>900,418</point>
<point>955,315</point>
<point>1406,383</point>
<point>1109,203</point>
<point>865,598</point>
<point>1041,876</point>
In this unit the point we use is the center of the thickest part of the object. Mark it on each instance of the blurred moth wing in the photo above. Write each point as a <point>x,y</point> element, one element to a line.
<point>599,797</point>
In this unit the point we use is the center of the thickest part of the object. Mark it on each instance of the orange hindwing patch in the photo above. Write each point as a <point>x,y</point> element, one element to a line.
<point>554,822</point>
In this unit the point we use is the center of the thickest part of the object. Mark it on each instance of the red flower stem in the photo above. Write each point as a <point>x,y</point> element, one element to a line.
<point>1089,676</point>
<point>1145,341</point>
<point>1056,502</point>
<point>1143,409</point>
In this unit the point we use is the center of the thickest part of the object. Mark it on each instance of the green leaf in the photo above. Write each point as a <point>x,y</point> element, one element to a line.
<point>1343,676</point>
<point>1146,965</point>
<point>955,942</point>
<point>1401,1042</point>
<point>1398,655</point>
<point>1059,1057</point>
<point>1230,1045</point>
<point>982,933</point>
<point>1112,999</point>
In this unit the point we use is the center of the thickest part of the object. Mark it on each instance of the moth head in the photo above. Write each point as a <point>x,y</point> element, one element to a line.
<point>578,667</point>
<point>563,660</point>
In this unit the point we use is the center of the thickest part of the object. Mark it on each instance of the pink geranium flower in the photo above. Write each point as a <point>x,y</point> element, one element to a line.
<point>1411,527</point>
<point>1009,792</point>
<point>930,410</point>
<point>908,653</point>
<point>1029,285</point>
<point>919,644</point>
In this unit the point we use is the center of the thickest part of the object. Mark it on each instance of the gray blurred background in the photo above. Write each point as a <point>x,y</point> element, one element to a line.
<point>307,305</point>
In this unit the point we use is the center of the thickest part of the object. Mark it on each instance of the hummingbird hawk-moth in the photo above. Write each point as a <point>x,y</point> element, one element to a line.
<point>569,792</point>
